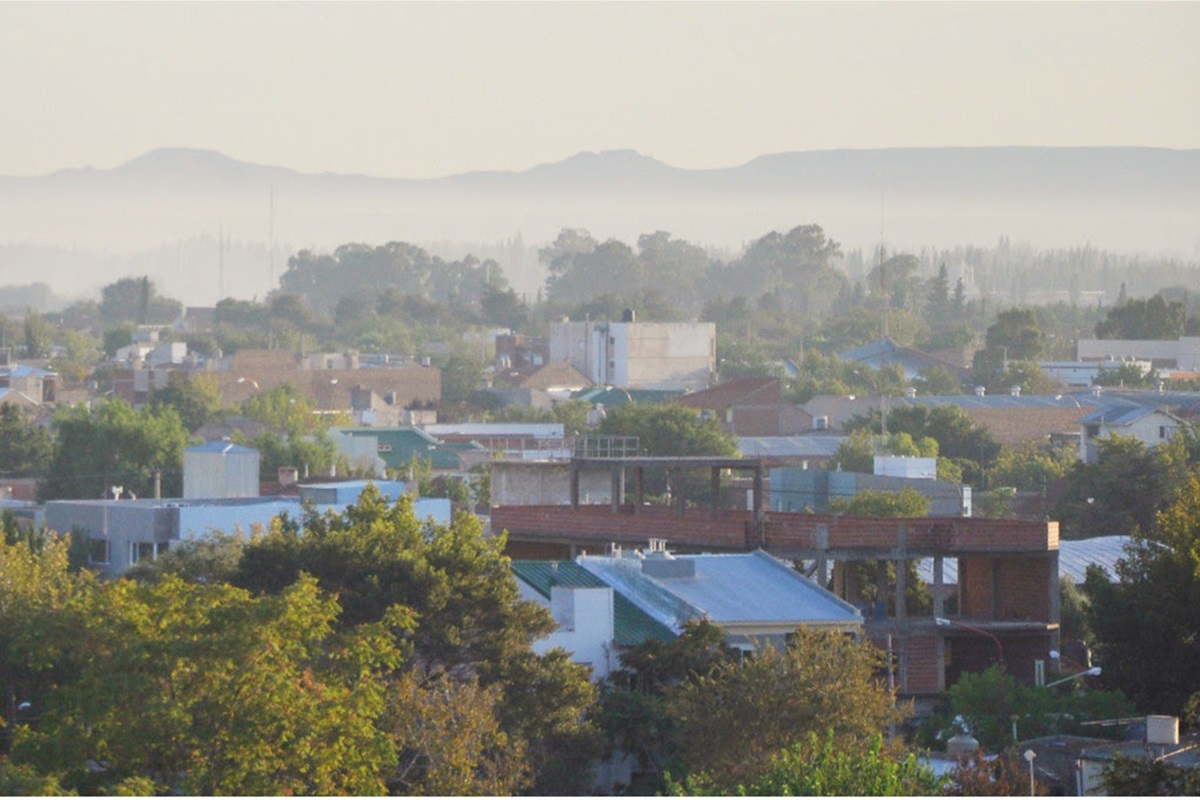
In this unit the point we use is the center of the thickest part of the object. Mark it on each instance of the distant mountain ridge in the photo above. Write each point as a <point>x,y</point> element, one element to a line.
<point>1128,199</point>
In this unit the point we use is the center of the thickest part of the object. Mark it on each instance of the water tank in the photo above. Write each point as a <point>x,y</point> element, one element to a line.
<point>1162,729</point>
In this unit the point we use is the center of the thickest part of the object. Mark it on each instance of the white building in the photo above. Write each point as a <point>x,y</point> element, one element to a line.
<point>1183,353</point>
<point>1151,426</point>
<point>639,355</point>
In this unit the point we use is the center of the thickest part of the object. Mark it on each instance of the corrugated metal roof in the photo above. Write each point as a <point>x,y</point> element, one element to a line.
<point>726,588</point>
<point>789,446</point>
<point>220,447</point>
<point>631,626</point>
<point>1081,400</point>
<point>1122,414</point>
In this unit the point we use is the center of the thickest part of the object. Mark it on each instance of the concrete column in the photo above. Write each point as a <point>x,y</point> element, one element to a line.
<point>715,491</point>
<point>1055,600</point>
<point>901,567</point>
<point>615,489</point>
<point>759,518</point>
<point>574,486</point>
<point>881,586</point>
<point>639,478</point>
<point>938,587</point>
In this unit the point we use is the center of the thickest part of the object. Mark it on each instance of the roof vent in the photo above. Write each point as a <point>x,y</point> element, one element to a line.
<point>820,423</point>
<point>667,567</point>
<point>1015,391</point>
<point>980,391</point>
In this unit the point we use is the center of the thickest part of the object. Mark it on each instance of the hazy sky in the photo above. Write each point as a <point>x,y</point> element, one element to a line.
<point>422,90</point>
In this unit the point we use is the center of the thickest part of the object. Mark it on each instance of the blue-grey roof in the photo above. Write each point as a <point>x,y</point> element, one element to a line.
<point>789,446</point>
<point>220,447</point>
<point>726,588</point>
<point>1117,414</point>
<point>1080,400</point>
<point>23,371</point>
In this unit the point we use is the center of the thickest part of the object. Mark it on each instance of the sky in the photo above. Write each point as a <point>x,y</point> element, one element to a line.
<point>421,90</point>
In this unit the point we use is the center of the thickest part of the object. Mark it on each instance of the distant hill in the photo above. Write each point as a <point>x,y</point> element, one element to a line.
<point>1127,199</point>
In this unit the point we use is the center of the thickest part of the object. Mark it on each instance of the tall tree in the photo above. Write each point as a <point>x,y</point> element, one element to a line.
<point>1144,319</point>
<point>114,445</point>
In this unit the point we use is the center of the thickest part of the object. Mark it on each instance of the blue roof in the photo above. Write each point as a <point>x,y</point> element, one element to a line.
<point>220,447</point>
<point>1081,400</point>
<point>22,371</point>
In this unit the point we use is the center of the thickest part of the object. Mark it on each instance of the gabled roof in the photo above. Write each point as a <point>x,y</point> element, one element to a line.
<point>631,626</point>
<point>610,397</point>
<point>556,375</point>
<point>220,447</point>
<point>740,589</point>
<point>1119,414</point>
<point>886,351</point>
<point>742,391</point>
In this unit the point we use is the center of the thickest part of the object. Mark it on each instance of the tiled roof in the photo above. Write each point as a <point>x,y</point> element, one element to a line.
<point>631,626</point>
<point>556,375</point>
<point>743,391</point>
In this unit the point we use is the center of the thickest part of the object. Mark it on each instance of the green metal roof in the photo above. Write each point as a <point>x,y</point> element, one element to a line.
<point>631,625</point>
<point>611,398</point>
<point>404,444</point>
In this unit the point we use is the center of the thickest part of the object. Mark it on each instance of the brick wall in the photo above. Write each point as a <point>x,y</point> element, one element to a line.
<point>784,532</point>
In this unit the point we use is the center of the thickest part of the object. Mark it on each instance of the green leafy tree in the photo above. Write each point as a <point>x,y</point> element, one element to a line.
<point>1149,777</point>
<point>1017,332</point>
<point>461,376</point>
<point>732,722</point>
<point>284,408</point>
<point>196,399</point>
<point>136,300</point>
<point>1152,608</point>
<point>1129,376</point>
<point>205,690</point>
<point>825,767</point>
<point>668,430</point>
<point>115,445</point>
<point>1032,466</point>
<point>472,623</point>
<point>25,448</point>
<point>1155,318</point>
<point>907,502</point>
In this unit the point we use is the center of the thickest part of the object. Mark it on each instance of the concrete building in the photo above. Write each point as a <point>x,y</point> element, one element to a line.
<point>748,407</point>
<point>643,355</point>
<point>220,470</point>
<point>1183,353</point>
<point>121,533</point>
<point>1149,425</point>
<point>1008,591</point>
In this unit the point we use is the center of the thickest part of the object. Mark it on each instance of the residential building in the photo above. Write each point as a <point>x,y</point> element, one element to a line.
<point>122,532</point>
<point>38,385</point>
<point>643,355</point>
<point>398,447</point>
<point>1149,425</point>
<point>886,353</point>
<point>220,470</point>
<point>748,407</point>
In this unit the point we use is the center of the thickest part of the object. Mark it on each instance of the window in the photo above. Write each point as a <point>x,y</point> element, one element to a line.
<point>141,550</point>
<point>98,551</point>
<point>385,448</point>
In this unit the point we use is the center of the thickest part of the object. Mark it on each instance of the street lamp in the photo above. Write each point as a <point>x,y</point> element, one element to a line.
<point>1030,756</point>
<point>1086,672</point>
<point>946,623</point>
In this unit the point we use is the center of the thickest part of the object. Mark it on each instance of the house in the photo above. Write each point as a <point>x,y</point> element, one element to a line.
<point>1014,418</point>
<point>748,407</point>
<point>38,385</point>
<point>886,353</point>
<point>753,598</point>
<point>643,355</point>
<point>557,379</point>
<point>400,446</point>
<point>1159,743</point>
<point>1008,595</point>
<point>1149,425</point>
<point>15,398</point>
